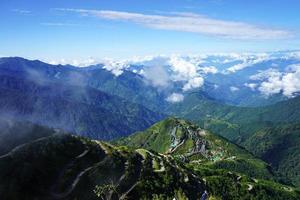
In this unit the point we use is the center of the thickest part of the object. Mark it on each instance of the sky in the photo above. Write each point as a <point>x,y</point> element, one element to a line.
<point>81,29</point>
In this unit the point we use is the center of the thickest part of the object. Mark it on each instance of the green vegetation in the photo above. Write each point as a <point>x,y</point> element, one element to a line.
<point>79,109</point>
<point>69,167</point>
<point>63,166</point>
<point>234,122</point>
<point>268,132</point>
<point>279,146</point>
<point>195,146</point>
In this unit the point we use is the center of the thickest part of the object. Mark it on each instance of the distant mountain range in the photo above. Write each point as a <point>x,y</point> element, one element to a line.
<point>30,90</point>
<point>243,79</point>
<point>98,103</point>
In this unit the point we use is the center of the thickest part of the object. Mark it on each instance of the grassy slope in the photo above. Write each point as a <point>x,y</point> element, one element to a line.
<point>218,154</point>
<point>279,146</point>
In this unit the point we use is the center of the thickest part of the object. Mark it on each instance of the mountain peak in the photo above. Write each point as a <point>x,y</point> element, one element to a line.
<point>180,137</point>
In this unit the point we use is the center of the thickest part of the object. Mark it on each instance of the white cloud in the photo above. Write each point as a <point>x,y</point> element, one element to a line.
<point>234,89</point>
<point>190,22</point>
<point>274,82</point>
<point>272,86</point>
<point>193,83</point>
<point>252,86</point>
<point>175,98</point>
<point>294,54</point>
<point>184,70</point>
<point>115,67</point>
<point>293,67</point>
<point>291,83</point>
<point>163,70</point>
<point>247,61</point>
<point>75,62</point>
<point>209,70</point>
<point>266,74</point>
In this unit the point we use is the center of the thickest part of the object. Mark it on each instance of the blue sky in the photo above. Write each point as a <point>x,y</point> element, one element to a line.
<point>77,29</point>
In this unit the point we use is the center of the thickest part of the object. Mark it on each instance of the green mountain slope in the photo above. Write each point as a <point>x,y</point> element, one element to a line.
<point>62,166</point>
<point>196,146</point>
<point>268,132</point>
<point>196,106</point>
<point>234,122</point>
<point>278,146</point>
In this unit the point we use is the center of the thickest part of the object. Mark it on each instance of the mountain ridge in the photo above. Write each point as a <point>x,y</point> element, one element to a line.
<point>63,166</point>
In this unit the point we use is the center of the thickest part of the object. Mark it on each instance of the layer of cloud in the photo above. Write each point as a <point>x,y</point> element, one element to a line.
<point>263,75</point>
<point>175,98</point>
<point>209,70</point>
<point>190,22</point>
<point>190,72</point>
<point>247,61</point>
<point>177,68</point>
<point>75,62</point>
<point>193,83</point>
<point>163,71</point>
<point>274,81</point>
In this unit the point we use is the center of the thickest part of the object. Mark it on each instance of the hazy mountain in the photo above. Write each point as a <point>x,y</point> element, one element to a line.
<point>243,79</point>
<point>130,86</point>
<point>29,90</point>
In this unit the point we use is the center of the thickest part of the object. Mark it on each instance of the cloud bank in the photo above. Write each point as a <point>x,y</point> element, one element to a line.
<point>274,81</point>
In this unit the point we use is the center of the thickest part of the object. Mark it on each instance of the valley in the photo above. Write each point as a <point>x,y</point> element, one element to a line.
<point>84,133</point>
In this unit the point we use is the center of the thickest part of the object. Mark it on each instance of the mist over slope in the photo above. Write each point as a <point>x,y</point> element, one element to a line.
<point>30,91</point>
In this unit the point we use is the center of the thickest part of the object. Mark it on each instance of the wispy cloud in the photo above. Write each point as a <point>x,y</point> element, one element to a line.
<point>22,12</point>
<point>58,24</point>
<point>190,22</point>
